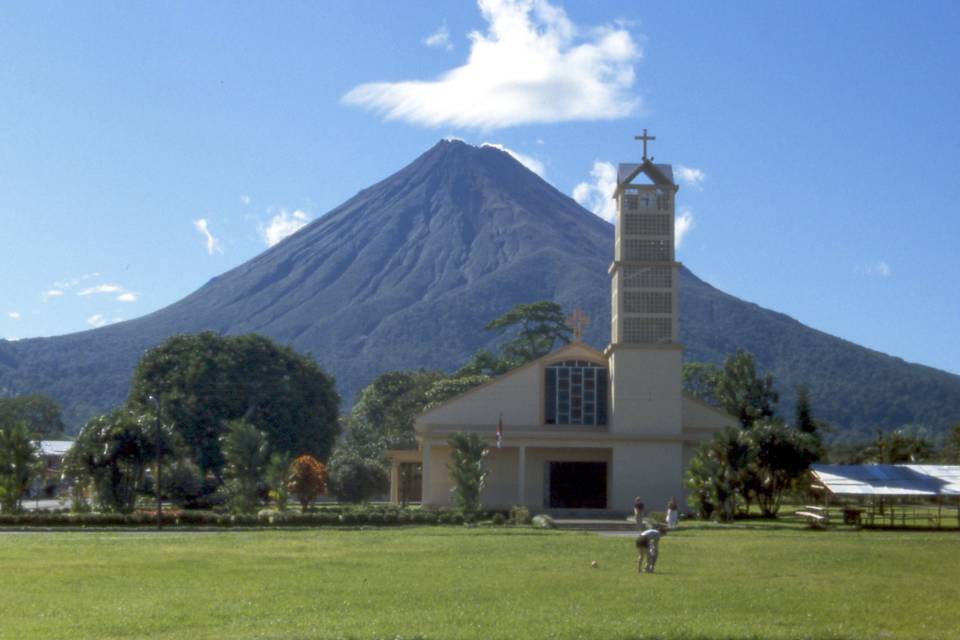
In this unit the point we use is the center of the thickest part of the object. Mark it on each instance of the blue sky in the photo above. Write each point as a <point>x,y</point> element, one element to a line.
<point>147,147</point>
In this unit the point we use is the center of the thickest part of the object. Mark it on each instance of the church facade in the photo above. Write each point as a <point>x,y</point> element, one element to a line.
<point>583,429</point>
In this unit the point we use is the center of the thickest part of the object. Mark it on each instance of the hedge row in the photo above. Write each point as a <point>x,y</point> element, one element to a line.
<point>322,518</point>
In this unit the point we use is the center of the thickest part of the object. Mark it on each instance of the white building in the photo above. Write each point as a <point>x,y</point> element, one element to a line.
<point>585,429</point>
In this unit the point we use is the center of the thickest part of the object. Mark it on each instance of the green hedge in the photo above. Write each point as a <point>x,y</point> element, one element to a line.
<point>325,516</point>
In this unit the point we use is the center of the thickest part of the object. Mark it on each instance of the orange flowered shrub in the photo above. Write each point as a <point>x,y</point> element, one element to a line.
<point>308,480</point>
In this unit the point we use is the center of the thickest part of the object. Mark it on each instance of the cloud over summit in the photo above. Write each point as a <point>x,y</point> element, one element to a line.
<point>533,65</point>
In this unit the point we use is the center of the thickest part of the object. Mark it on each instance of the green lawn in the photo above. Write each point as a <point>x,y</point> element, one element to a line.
<point>479,583</point>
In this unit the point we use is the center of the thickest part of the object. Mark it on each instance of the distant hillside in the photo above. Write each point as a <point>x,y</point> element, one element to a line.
<point>406,273</point>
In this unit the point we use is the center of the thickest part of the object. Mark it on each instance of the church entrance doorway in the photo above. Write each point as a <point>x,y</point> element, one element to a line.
<point>577,485</point>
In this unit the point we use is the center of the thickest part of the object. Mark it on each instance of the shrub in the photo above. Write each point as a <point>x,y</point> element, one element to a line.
<point>308,480</point>
<point>498,519</point>
<point>354,478</point>
<point>520,515</point>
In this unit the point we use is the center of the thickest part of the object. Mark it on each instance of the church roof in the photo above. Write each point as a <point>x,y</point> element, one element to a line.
<point>661,174</point>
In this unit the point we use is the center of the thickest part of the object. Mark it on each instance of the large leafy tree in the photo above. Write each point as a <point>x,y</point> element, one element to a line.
<point>536,328</point>
<point>40,414</point>
<point>389,405</point>
<point>115,452</point>
<point>701,379</point>
<point>18,464</point>
<point>720,473</point>
<point>204,380</point>
<point>743,392</point>
<point>781,456</point>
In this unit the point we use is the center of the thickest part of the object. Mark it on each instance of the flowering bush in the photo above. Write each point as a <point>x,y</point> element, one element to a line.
<point>308,480</point>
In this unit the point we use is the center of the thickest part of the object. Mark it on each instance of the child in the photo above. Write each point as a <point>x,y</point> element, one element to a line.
<point>648,544</point>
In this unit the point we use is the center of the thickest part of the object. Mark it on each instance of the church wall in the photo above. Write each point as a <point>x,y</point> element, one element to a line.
<point>501,489</point>
<point>516,395</point>
<point>652,471</point>
<point>646,391</point>
<point>699,416</point>
<point>436,489</point>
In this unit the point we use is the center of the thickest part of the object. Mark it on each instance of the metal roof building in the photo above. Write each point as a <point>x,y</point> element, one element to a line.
<point>904,494</point>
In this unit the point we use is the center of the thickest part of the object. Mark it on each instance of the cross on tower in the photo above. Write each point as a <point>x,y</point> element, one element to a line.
<point>577,321</point>
<point>645,138</point>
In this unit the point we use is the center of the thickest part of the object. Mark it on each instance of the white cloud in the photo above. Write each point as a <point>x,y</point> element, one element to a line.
<point>53,293</point>
<point>66,284</point>
<point>282,225</point>
<point>879,269</point>
<point>528,161</point>
<point>100,288</point>
<point>598,195</point>
<point>127,296</point>
<point>15,315</point>
<point>213,245</point>
<point>440,38</point>
<point>97,320</point>
<point>691,177</point>
<point>246,200</point>
<point>531,66</point>
<point>683,224</point>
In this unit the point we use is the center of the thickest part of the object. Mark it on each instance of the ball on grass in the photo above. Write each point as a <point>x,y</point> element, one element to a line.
<point>594,564</point>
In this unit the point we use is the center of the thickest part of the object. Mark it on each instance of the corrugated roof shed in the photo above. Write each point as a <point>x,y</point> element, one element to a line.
<point>889,479</point>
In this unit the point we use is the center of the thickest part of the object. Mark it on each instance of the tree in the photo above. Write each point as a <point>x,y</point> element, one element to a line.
<point>908,444</point>
<point>806,423</point>
<point>721,471</point>
<point>246,452</point>
<point>354,478</point>
<point>40,414</point>
<point>951,445</point>
<point>389,405</point>
<point>18,464</point>
<point>701,379</point>
<point>487,364</point>
<point>782,455</point>
<point>468,473</point>
<point>803,411</point>
<point>538,326</point>
<point>442,390</point>
<point>743,393</point>
<point>277,471</point>
<point>114,452</point>
<point>204,380</point>
<point>308,480</point>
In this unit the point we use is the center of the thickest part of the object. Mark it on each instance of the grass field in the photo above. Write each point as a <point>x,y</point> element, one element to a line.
<point>479,583</point>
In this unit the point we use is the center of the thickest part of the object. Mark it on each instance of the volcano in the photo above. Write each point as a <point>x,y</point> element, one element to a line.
<point>405,274</point>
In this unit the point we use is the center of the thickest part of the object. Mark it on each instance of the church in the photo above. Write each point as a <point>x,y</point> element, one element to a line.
<point>582,430</point>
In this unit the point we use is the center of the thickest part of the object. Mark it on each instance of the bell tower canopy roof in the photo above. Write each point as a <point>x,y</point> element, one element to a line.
<point>659,174</point>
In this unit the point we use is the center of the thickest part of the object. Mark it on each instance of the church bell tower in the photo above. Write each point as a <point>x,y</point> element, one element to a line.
<point>644,346</point>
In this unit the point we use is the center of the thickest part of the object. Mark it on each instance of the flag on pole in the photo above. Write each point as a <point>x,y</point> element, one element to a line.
<point>500,431</point>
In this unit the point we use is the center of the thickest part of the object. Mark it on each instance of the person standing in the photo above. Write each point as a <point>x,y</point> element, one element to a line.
<point>638,512</point>
<point>673,514</point>
<point>648,546</point>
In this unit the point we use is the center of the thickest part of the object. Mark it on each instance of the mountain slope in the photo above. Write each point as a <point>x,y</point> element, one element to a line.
<point>406,273</point>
